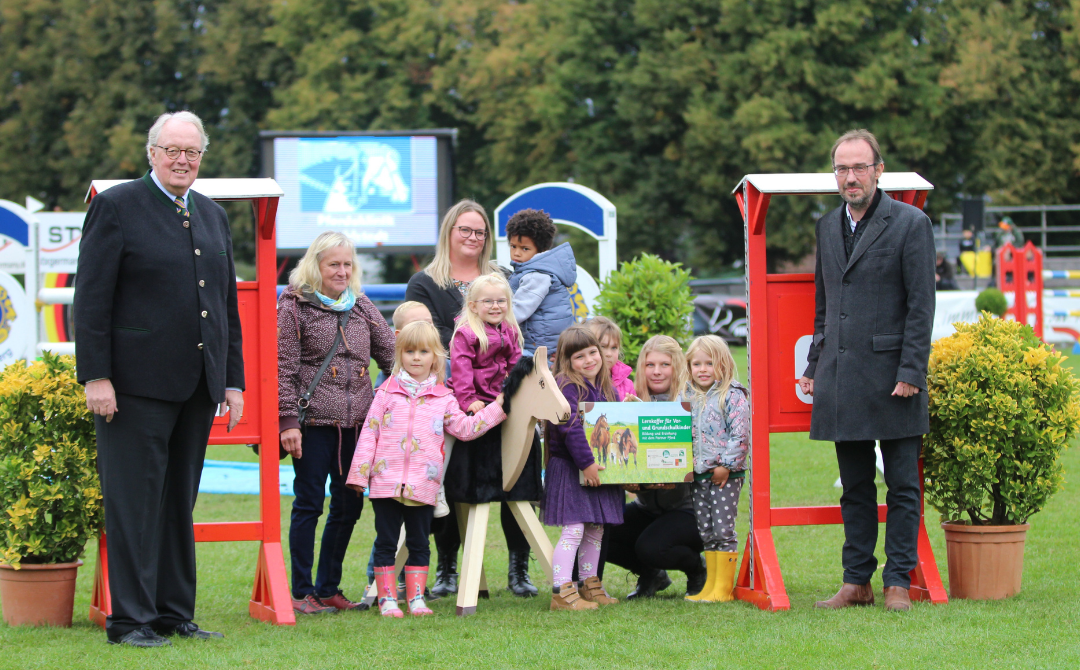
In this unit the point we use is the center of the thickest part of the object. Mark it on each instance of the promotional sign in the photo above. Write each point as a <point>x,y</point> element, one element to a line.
<point>640,442</point>
<point>15,320</point>
<point>58,240</point>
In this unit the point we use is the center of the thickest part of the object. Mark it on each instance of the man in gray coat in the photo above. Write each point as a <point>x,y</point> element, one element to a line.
<point>866,370</point>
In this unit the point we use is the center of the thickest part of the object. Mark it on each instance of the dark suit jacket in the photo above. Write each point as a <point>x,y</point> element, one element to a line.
<point>874,315</point>
<point>142,317</point>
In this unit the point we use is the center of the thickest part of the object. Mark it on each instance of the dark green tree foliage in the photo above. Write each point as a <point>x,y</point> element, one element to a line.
<point>661,106</point>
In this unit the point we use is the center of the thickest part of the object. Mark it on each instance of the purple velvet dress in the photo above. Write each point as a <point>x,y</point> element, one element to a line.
<point>565,500</point>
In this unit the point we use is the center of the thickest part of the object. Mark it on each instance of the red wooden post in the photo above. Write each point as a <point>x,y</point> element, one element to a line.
<point>780,309</point>
<point>270,597</point>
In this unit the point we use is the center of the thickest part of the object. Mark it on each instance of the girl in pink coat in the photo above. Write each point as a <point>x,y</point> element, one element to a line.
<point>610,338</point>
<point>399,458</point>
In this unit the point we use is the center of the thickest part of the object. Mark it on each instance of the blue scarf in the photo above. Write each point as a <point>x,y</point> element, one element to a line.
<point>344,302</point>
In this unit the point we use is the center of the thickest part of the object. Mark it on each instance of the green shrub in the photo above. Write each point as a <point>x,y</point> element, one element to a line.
<point>50,496</point>
<point>992,300</point>
<point>647,296</point>
<point>1002,409</point>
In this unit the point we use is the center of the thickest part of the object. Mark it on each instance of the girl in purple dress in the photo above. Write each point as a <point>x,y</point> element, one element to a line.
<point>581,510</point>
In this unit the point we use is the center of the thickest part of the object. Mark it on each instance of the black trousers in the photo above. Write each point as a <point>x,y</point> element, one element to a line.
<point>448,538</point>
<point>389,515</point>
<point>858,505</point>
<point>326,452</point>
<point>644,543</point>
<point>150,457</point>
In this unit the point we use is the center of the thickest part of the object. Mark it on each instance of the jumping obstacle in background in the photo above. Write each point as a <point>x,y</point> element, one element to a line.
<point>270,597</point>
<point>1021,277</point>
<point>781,312</point>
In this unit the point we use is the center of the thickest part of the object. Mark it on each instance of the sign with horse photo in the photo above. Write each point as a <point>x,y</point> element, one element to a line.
<point>640,442</point>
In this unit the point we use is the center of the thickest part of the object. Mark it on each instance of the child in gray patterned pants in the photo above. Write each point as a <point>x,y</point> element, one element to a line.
<point>721,433</point>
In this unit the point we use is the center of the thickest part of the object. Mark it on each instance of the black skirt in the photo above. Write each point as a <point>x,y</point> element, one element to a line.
<point>474,474</point>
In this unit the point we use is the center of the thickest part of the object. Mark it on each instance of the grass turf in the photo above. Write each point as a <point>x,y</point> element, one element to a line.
<point>1035,629</point>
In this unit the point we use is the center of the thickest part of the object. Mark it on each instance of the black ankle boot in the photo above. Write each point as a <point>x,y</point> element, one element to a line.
<point>695,580</point>
<point>517,578</point>
<point>445,575</point>
<point>649,584</point>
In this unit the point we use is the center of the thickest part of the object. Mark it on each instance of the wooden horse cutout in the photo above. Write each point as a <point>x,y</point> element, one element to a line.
<point>537,397</point>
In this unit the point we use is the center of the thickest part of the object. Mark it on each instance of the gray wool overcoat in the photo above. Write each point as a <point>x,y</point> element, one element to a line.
<point>873,318</point>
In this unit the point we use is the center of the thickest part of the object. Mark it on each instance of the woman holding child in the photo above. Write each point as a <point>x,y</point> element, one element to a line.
<point>325,325</point>
<point>462,255</point>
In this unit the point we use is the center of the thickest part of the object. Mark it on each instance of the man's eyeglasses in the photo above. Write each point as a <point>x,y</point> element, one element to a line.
<point>858,170</point>
<point>174,152</point>
<point>488,302</point>
<point>466,232</point>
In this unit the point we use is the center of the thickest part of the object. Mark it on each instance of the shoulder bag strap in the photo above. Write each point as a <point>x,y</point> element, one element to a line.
<point>305,398</point>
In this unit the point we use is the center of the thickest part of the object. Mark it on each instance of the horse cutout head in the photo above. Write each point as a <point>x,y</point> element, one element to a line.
<point>530,393</point>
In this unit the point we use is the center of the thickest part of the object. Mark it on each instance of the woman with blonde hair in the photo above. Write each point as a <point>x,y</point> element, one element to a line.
<point>462,254</point>
<point>328,332</point>
<point>659,530</point>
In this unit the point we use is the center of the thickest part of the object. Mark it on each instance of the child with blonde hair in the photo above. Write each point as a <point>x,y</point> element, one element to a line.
<point>610,338</point>
<point>486,345</point>
<point>721,437</point>
<point>399,458</point>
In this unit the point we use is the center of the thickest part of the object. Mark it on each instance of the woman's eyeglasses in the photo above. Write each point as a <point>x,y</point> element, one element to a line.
<point>466,232</point>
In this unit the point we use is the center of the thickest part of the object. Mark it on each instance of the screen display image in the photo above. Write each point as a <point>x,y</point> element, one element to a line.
<point>381,191</point>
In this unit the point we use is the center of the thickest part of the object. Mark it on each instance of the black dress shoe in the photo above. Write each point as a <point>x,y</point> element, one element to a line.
<point>141,637</point>
<point>190,630</point>
<point>649,584</point>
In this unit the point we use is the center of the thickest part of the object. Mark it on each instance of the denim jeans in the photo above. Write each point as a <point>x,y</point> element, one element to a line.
<point>321,459</point>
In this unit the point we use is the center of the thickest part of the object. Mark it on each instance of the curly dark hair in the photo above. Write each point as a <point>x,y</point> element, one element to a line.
<point>534,224</point>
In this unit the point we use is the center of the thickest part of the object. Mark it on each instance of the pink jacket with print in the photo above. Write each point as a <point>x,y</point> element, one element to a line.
<point>620,379</point>
<point>400,452</point>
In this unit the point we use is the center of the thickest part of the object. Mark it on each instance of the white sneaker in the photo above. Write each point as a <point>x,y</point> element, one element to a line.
<point>441,508</point>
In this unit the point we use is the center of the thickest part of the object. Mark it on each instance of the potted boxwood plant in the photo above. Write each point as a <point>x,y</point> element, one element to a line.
<point>1002,409</point>
<point>50,495</point>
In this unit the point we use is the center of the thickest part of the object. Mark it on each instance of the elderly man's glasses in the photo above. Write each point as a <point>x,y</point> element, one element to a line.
<point>857,170</point>
<point>174,152</point>
<point>466,233</point>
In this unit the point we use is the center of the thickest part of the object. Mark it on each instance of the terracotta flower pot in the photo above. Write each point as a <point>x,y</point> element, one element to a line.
<point>36,595</point>
<point>985,562</point>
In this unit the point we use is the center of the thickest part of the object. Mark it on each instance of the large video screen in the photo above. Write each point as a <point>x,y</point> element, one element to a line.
<point>382,191</point>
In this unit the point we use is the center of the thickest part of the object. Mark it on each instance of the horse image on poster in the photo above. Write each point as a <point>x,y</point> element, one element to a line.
<point>600,440</point>
<point>627,446</point>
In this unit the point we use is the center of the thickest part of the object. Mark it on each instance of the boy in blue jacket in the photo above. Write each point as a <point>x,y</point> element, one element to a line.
<point>542,279</point>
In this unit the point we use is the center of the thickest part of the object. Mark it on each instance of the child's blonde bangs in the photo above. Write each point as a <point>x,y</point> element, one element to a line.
<point>421,335</point>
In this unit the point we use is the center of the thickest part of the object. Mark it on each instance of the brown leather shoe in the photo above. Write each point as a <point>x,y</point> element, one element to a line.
<point>593,591</point>
<point>849,595</point>
<point>897,599</point>
<point>568,598</point>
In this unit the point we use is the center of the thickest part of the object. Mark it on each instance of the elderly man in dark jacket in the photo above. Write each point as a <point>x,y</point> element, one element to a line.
<point>867,369</point>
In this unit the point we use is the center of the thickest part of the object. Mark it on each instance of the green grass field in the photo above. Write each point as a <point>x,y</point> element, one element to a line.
<point>1036,629</point>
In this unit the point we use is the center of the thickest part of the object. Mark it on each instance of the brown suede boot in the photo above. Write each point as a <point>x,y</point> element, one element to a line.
<point>849,595</point>
<point>568,598</point>
<point>897,599</point>
<point>593,591</point>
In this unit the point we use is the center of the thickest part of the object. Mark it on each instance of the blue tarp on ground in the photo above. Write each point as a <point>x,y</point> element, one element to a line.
<point>236,477</point>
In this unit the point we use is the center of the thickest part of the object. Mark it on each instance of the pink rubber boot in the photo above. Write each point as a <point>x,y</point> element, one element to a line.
<point>415,581</point>
<point>387,587</point>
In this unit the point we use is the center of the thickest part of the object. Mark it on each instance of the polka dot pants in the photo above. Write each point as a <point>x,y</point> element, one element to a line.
<point>716,508</point>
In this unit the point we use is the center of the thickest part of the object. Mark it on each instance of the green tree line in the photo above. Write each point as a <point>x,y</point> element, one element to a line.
<point>661,106</point>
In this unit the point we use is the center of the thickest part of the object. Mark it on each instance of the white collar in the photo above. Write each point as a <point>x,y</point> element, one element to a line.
<point>153,175</point>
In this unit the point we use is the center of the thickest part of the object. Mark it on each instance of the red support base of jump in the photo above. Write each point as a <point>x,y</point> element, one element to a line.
<point>270,598</point>
<point>766,590</point>
<point>100,601</point>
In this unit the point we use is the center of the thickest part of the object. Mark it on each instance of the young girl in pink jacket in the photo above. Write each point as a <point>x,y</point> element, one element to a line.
<point>610,338</point>
<point>399,458</point>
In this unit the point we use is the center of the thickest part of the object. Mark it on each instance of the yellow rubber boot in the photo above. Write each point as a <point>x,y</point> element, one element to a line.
<point>706,595</point>
<point>726,564</point>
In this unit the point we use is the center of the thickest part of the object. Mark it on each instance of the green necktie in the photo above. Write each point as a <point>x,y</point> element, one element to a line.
<point>181,208</point>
